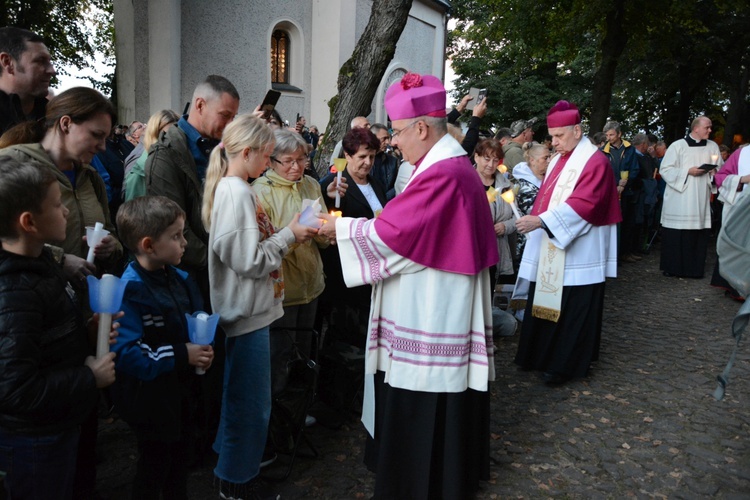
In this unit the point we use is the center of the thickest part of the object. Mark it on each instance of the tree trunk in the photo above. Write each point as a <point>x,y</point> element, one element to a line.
<point>360,76</point>
<point>613,45</point>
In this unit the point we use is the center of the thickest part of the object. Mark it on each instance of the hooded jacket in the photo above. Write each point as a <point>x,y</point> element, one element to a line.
<point>302,267</point>
<point>87,201</point>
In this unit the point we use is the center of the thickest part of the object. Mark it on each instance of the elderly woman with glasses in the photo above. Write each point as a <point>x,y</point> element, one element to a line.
<point>528,176</point>
<point>488,155</point>
<point>280,191</point>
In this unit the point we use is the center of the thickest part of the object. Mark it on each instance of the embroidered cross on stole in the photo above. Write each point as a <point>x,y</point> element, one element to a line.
<point>551,269</point>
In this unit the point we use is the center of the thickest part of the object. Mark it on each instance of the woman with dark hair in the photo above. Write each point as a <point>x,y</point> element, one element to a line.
<point>77,123</point>
<point>361,196</point>
<point>488,155</point>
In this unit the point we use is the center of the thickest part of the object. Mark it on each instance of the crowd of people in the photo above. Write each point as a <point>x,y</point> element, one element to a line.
<point>204,213</point>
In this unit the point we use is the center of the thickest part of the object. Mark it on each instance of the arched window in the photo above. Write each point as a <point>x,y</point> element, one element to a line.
<point>280,51</point>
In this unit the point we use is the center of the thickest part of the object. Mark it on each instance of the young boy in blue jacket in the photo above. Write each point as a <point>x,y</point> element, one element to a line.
<point>49,381</point>
<point>156,379</point>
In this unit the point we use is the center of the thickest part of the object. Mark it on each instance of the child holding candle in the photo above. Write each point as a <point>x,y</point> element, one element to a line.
<point>156,361</point>
<point>49,383</point>
<point>244,257</point>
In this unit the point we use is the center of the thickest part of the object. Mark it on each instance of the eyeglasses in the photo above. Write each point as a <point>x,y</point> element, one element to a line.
<point>396,132</point>
<point>300,162</point>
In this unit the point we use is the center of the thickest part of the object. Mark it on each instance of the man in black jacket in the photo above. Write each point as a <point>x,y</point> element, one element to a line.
<point>25,73</point>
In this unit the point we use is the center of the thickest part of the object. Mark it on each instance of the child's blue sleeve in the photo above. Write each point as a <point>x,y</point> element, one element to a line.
<point>134,356</point>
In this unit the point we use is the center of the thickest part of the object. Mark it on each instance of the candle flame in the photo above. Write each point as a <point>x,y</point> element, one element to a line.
<point>714,159</point>
<point>508,196</point>
<point>491,194</point>
<point>502,168</point>
<point>336,213</point>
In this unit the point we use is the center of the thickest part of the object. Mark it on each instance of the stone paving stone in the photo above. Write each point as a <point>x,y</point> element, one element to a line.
<point>663,343</point>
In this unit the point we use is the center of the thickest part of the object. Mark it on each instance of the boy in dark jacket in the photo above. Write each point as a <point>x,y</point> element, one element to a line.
<point>49,382</point>
<point>156,361</point>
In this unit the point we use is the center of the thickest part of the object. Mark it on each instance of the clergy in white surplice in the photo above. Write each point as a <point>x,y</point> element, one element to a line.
<point>686,211</point>
<point>429,349</point>
<point>571,249</point>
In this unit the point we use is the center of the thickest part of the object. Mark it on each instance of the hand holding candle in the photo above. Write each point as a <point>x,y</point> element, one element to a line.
<point>201,330</point>
<point>94,236</point>
<point>339,164</point>
<point>510,198</point>
<point>105,297</point>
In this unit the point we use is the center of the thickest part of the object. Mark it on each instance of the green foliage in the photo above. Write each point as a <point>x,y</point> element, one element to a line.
<point>74,30</point>
<point>681,58</point>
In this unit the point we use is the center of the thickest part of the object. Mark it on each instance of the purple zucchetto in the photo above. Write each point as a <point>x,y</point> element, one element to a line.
<point>415,95</point>
<point>563,114</point>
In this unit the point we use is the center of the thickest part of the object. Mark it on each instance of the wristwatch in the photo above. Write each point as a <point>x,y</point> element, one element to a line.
<point>546,229</point>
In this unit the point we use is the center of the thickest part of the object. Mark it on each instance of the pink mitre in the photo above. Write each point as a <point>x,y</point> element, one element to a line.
<point>563,114</point>
<point>415,95</point>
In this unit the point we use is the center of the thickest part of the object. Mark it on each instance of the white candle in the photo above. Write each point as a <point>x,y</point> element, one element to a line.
<point>93,239</point>
<point>338,195</point>
<point>201,324</point>
<point>107,289</point>
<point>511,200</point>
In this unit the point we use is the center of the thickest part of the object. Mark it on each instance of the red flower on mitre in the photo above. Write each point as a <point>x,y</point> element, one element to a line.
<point>410,81</point>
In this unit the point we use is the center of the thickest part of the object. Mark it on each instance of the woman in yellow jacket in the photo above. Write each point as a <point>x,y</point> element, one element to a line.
<point>280,191</point>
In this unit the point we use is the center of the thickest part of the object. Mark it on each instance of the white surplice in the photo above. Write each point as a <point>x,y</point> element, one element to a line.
<point>429,330</point>
<point>687,197</point>
<point>590,251</point>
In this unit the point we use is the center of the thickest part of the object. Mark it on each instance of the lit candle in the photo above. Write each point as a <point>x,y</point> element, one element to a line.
<point>714,159</point>
<point>502,168</point>
<point>94,236</point>
<point>336,213</point>
<point>340,165</point>
<point>491,194</point>
<point>510,198</point>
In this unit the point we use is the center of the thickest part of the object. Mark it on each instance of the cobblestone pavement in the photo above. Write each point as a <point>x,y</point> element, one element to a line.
<point>643,425</point>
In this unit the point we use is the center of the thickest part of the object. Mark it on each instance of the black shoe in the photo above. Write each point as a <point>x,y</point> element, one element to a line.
<point>268,458</point>
<point>255,489</point>
<point>554,379</point>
